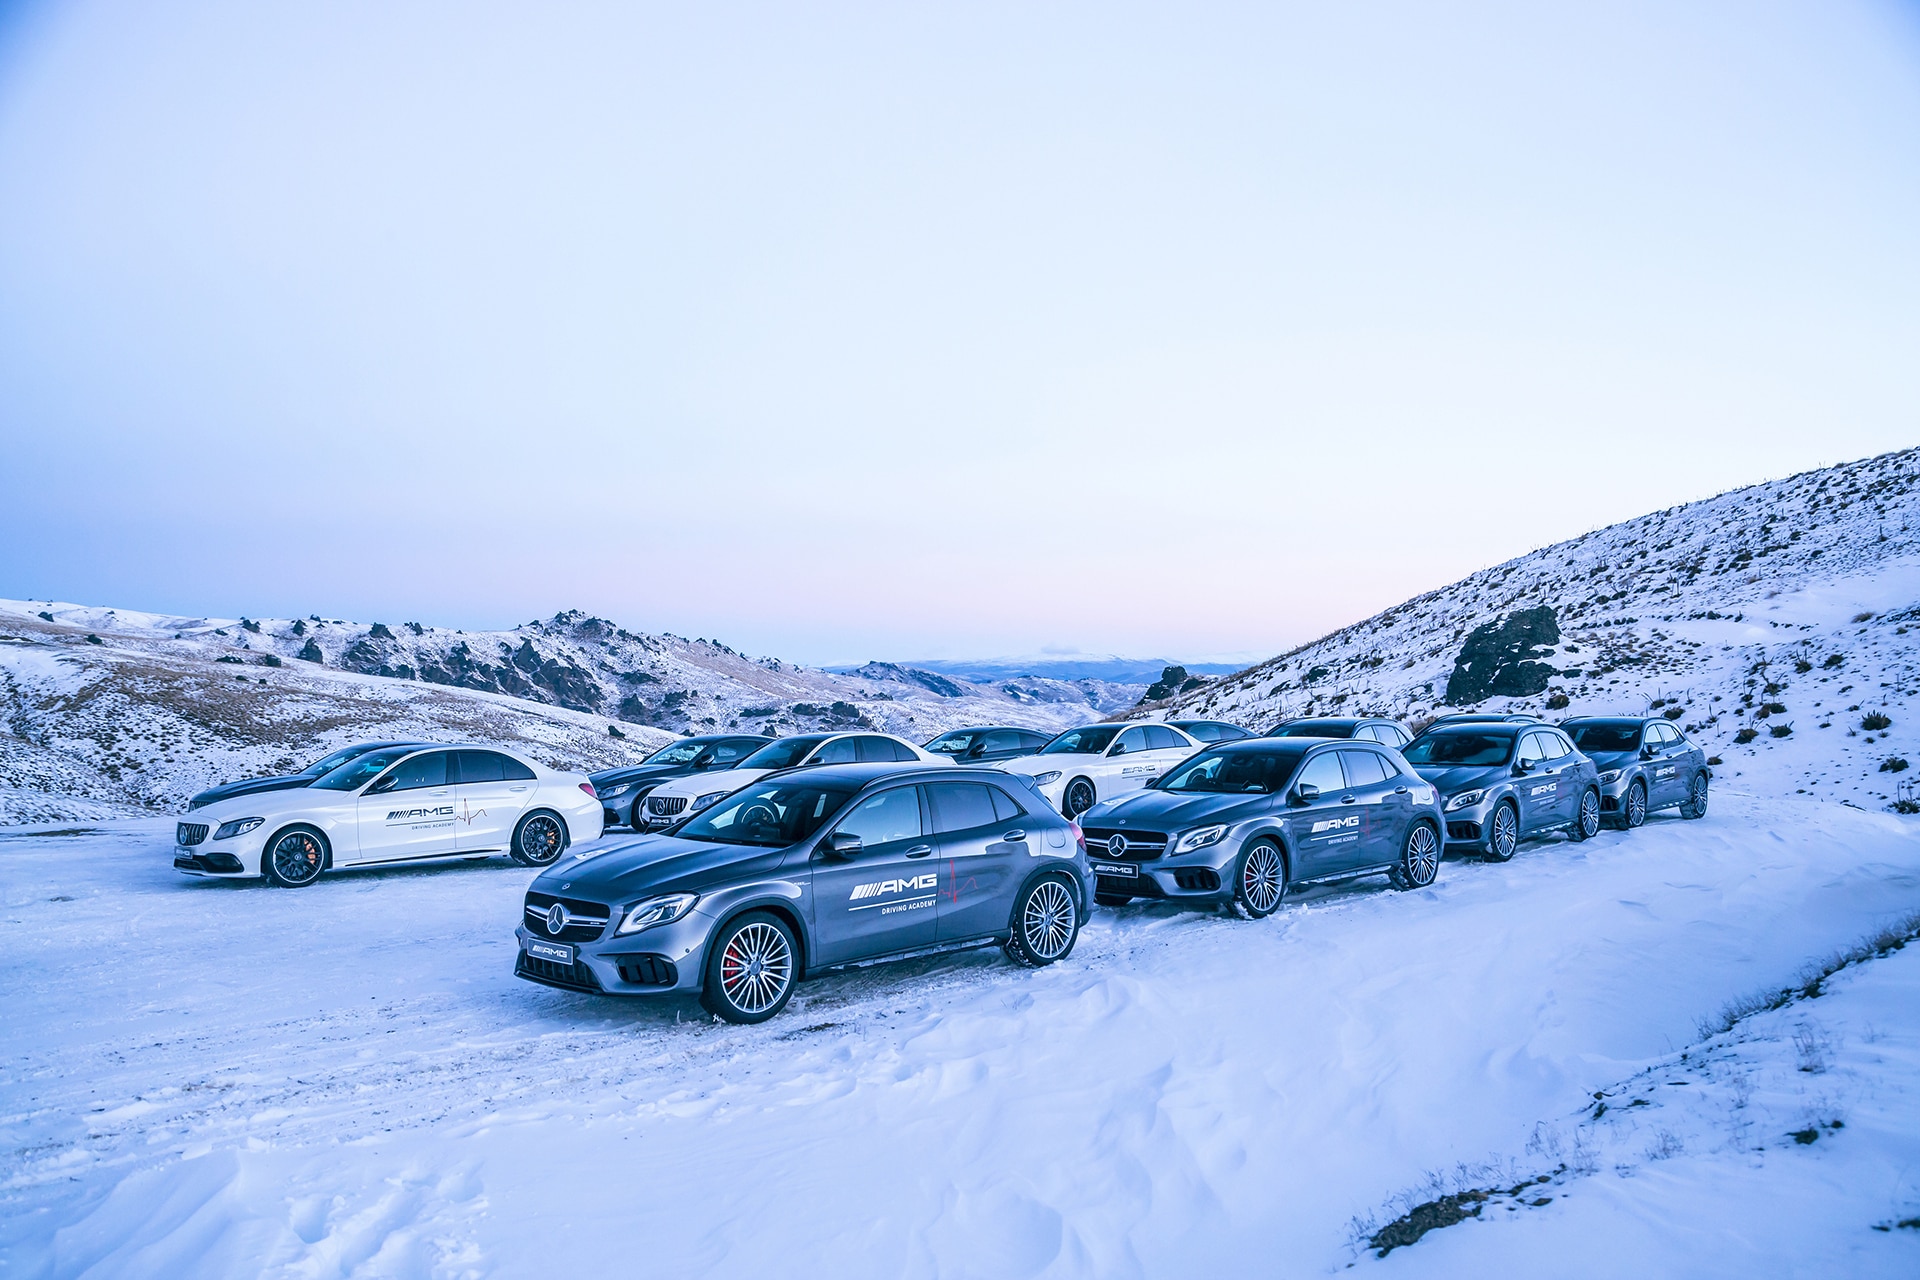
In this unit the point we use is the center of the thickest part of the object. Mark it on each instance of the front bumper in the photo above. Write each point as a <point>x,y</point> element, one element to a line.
<point>661,961</point>
<point>232,859</point>
<point>1467,826</point>
<point>1201,876</point>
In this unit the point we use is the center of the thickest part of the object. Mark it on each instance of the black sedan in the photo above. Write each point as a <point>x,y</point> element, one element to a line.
<point>1211,730</point>
<point>987,744</point>
<point>288,781</point>
<point>623,788</point>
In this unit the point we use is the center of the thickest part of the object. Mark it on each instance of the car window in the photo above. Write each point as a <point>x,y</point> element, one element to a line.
<point>1132,740</point>
<point>1400,736</point>
<point>1232,771</point>
<point>888,816</point>
<point>1003,740</point>
<point>1364,768</point>
<point>1090,741</point>
<point>771,814</point>
<point>476,766</point>
<point>1668,734</point>
<point>961,806</point>
<point>839,751</point>
<point>1460,747</point>
<point>783,753</point>
<point>1532,751</point>
<point>728,752</point>
<point>953,744</point>
<point>426,770</point>
<point>1164,739</point>
<point>514,771</point>
<point>1323,771</point>
<point>1005,807</point>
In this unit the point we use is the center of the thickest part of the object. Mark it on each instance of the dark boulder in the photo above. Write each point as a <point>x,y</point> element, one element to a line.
<point>1501,659</point>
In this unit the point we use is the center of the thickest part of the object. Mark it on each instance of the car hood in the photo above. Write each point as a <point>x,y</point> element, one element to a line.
<point>266,804</point>
<point>647,865</point>
<point>1611,759</point>
<point>705,784</point>
<point>637,773</point>
<point>1454,778</point>
<point>1153,810</point>
<point>250,786</point>
<point>1033,766</point>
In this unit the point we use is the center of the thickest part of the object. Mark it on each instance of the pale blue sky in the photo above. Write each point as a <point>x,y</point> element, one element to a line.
<point>840,332</point>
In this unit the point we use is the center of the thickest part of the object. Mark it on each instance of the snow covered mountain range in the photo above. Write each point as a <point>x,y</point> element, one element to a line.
<point>101,709</point>
<point>1777,623</point>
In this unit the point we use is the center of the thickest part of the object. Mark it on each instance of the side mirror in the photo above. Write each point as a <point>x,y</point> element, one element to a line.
<point>1649,751</point>
<point>975,751</point>
<point>384,785</point>
<point>843,844</point>
<point>1520,767</point>
<point>1305,793</point>
<point>704,760</point>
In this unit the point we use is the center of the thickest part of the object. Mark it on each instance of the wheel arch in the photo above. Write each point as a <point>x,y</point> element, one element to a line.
<point>1082,894</point>
<point>772,905</point>
<point>1276,836</point>
<point>326,843</point>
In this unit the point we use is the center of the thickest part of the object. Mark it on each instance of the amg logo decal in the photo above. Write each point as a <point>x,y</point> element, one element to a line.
<point>1546,789</point>
<point>1336,824</point>
<point>880,887</point>
<point>408,815</point>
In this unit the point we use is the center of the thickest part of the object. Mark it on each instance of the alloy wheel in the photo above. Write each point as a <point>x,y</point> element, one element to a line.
<point>1262,879</point>
<point>755,967</point>
<point>1506,833</point>
<point>1423,857</point>
<point>297,858</point>
<point>1636,805</point>
<point>1079,798</point>
<point>1697,797</point>
<point>541,839</point>
<point>1589,815</point>
<point>1046,925</point>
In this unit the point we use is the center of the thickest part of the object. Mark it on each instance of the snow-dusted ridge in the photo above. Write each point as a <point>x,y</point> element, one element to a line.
<point>104,709</point>
<point>1729,609</point>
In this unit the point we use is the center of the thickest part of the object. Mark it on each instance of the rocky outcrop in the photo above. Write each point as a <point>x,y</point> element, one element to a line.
<point>1501,659</point>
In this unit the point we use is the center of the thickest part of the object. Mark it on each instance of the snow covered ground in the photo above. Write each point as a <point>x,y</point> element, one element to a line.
<point>217,1079</point>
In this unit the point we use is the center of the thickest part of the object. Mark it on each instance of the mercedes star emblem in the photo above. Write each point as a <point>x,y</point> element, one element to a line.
<point>556,918</point>
<point>1117,845</point>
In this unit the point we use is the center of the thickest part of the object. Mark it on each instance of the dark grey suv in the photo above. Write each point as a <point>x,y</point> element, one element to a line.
<point>807,870</point>
<point>1502,783</point>
<point>1645,764</point>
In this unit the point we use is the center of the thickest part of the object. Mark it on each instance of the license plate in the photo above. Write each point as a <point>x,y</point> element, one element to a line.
<point>557,952</point>
<point>1125,870</point>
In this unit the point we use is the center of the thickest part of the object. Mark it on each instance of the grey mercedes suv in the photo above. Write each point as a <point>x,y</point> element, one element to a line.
<point>808,870</point>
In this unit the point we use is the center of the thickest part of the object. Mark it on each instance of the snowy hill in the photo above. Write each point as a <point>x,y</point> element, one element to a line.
<point>1781,614</point>
<point>101,709</point>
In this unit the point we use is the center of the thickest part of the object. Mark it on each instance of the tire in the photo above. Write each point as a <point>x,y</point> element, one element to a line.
<point>1633,809</point>
<point>1586,822</point>
<point>1045,924</point>
<point>1419,860</point>
<point>1077,798</point>
<point>1503,834</point>
<point>752,966</point>
<point>295,857</point>
<point>539,839</point>
<point>1695,805</point>
<point>1260,881</point>
<point>1112,899</point>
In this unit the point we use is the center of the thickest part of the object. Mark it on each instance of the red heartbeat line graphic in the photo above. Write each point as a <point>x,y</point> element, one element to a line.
<point>469,817</point>
<point>954,889</point>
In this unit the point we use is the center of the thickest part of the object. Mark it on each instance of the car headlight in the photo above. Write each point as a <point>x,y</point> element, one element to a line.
<point>1200,838</point>
<point>662,910</point>
<point>1611,775</point>
<point>1042,779</point>
<point>706,800</point>
<point>614,793</point>
<point>1465,799</point>
<point>238,827</point>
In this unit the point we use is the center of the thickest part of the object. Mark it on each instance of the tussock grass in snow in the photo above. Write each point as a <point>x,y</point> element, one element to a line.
<point>1807,984</point>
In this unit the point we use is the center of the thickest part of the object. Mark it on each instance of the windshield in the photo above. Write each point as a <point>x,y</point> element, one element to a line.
<point>771,815</point>
<point>327,764</point>
<point>1236,772</point>
<point>954,744</point>
<point>1606,737</point>
<point>783,754</point>
<point>363,769</point>
<point>1082,742</point>
<point>1471,747</point>
<point>677,753</point>
<point>1314,729</point>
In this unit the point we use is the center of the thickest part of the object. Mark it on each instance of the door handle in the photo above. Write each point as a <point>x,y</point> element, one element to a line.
<point>1399,791</point>
<point>1014,837</point>
<point>1348,799</point>
<point>919,851</point>
<point>516,788</point>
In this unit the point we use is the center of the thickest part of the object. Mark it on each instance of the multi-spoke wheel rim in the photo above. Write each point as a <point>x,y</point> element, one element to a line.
<point>1047,922</point>
<point>1589,814</point>
<point>1262,879</point>
<point>1423,856</point>
<point>1636,805</point>
<point>1699,795</point>
<point>1503,831</point>
<point>540,839</point>
<point>1079,799</point>
<point>297,857</point>
<point>755,967</point>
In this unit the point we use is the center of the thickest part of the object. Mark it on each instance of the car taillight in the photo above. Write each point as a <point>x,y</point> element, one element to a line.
<point>588,788</point>
<point>1079,837</point>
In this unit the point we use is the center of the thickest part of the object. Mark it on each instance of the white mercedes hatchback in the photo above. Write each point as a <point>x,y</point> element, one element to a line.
<point>671,801</point>
<point>1096,762</point>
<point>398,804</point>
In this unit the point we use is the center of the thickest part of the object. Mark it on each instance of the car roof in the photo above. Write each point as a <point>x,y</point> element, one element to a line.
<point>1482,726</point>
<point>1637,720</point>
<point>1346,720</point>
<point>1179,723</point>
<point>1303,741</point>
<point>863,774</point>
<point>988,728</point>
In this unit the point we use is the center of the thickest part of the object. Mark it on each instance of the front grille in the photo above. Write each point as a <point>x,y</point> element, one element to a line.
<point>190,833</point>
<point>588,923</point>
<point>1141,846</point>
<point>647,971</point>
<point>665,806</point>
<point>574,977</point>
<point>1197,879</point>
<point>1463,831</point>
